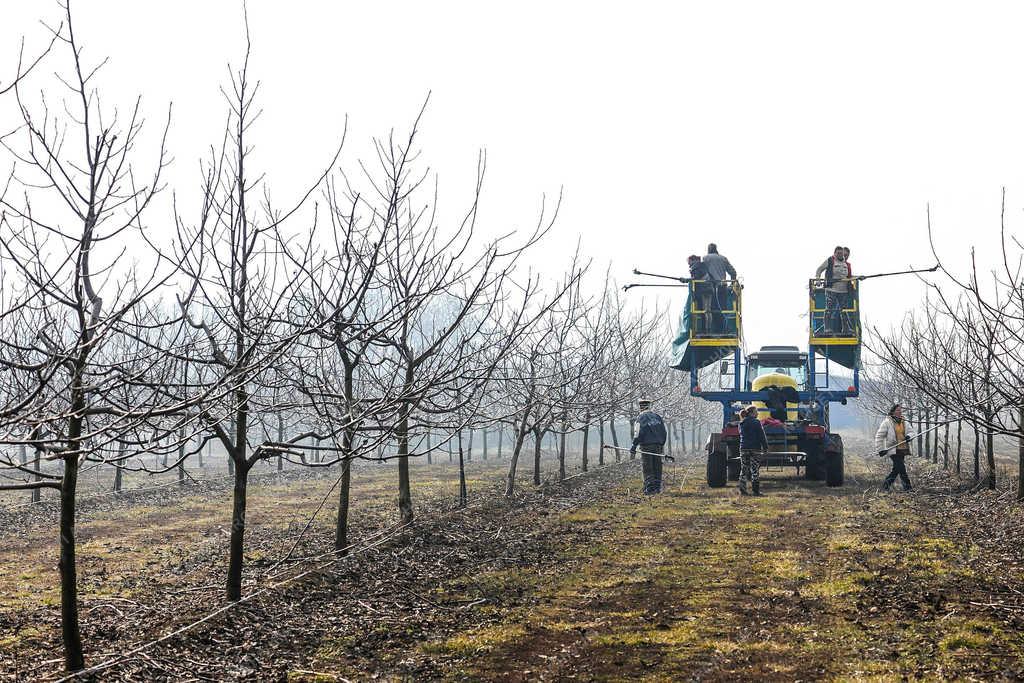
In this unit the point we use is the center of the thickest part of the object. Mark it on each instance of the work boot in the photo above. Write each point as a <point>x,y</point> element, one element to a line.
<point>757,488</point>
<point>742,488</point>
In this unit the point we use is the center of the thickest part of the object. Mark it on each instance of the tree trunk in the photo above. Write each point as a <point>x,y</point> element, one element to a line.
<point>74,660</point>
<point>990,452</point>
<point>561,453</point>
<point>977,453</point>
<point>921,438</point>
<point>501,438</point>
<point>668,438</point>
<point>1020,452</point>
<point>959,443</point>
<point>430,452</point>
<point>404,489</point>
<point>462,472</point>
<point>517,447</point>
<point>469,447</point>
<point>682,438</point>
<point>484,437</point>
<point>945,445</point>
<point>37,465</point>
<point>586,439</point>
<point>928,435</point>
<point>615,436</point>
<point>181,456</point>
<point>347,441</point>
<point>280,439</point>
<point>234,588</point>
<point>118,478</point>
<point>600,439</point>
<point>538,442</point>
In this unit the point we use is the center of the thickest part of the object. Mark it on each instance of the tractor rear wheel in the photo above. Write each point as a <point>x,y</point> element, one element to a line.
<point>815,466</point>
<point>834,462</point>
<point>717,462</point>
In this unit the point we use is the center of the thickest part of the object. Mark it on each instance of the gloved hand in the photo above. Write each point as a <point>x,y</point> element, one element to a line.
<point>632,451</point>
<point>883,452</point>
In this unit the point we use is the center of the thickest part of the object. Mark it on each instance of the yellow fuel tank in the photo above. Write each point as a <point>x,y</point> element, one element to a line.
<point>780,380</point>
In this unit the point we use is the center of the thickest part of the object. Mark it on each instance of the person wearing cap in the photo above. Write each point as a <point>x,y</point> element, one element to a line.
<point>753,442</point>
<point>892,436</point>
<point>650,437</point>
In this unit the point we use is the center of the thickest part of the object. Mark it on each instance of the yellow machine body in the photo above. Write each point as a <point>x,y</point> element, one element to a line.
<point>780,380</point>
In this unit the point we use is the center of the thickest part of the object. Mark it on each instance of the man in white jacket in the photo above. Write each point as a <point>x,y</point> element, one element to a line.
<point>892,436</point>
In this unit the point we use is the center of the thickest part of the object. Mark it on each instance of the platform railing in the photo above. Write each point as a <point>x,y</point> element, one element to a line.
<point>716,312</point>
<point>834,319</point>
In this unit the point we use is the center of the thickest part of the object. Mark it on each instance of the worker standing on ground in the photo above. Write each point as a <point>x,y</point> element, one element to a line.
<point>753,442</point>
<point>718,268</point>
<point>837,288</point>
<point>650,437</point>
<point>892,436</point>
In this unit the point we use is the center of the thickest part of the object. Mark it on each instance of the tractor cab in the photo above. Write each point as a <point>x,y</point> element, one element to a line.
<point>785,364</point>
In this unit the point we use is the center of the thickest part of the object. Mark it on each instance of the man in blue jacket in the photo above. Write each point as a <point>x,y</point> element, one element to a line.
<point>650,437</point>
<point>753,443</point>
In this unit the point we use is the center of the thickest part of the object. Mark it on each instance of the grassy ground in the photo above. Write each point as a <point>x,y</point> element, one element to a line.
<point>591,581</point>
<point>806,583</point>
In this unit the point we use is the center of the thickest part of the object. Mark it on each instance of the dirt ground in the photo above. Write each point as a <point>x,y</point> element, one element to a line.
<point>584,581</point>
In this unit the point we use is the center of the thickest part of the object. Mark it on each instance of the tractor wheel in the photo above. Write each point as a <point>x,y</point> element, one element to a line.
<point>815,468</point>
<point>717,459</point>
<point>834,462</point>
<point>733,464</point>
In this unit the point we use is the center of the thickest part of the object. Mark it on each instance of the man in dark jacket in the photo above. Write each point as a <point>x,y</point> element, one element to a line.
<point>650,437</point>
<point>753,442</point>
<point>702,290</point>
<point>719,269</point>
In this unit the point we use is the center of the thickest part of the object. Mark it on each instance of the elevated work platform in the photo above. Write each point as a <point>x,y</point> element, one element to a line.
<point>835,329</point>
<point>711,325</point>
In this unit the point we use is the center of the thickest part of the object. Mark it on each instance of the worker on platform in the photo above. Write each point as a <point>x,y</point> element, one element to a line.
<point>753,443</point>
<point>650,437</point>
<point>702,290</point>
<point>893,440</point>
<point>719,270</point>
<point>837,288</point>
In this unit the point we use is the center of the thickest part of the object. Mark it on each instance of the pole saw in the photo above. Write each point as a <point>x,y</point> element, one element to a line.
<point>899,272</point>
<point>683,280</point>
<point>641,452</point>
<point>630,286</point>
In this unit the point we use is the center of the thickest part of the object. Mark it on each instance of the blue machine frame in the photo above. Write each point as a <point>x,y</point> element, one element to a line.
<point>842,348</point>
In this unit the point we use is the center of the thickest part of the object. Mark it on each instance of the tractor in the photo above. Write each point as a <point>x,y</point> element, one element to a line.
<point>792,389</point>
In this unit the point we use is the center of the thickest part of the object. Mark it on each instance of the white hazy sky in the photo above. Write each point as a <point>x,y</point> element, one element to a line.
<point>777,130</point>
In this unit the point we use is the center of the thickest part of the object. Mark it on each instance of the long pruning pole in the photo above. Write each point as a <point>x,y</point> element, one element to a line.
<point>899,272</point>
<point>630,286</point>
<point>664,277</point>
<point>639,452</point>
